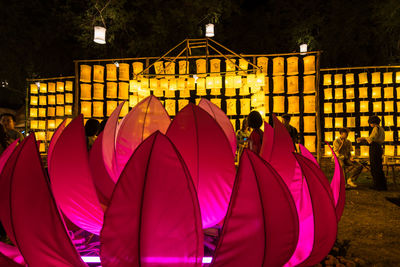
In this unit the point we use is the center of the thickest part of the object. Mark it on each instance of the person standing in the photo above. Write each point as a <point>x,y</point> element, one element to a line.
<point>4,139</point>
<point>342,148</point>
<point>256,137</point>
<point>8,121</point>
<point>91,128</point>
<point>242,136</point>
<point>375,140</point>
<point>292,130</point>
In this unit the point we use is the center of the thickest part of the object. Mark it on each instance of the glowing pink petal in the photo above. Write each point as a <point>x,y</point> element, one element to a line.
<point>154,217</point>
<point>251,235</point>
<point>306,153</point>
<point>39,229</point>
<point>9,262</point>
<point>108,144</point>
<point>338,187</point>
<point>268,140</point>
<point>102,181</point>
<point>71,179</point>
<point>208,155</point>
<point>10,256</point>
<point>54,139</point>
<point>222,120</point>
<point>6,154</point>
<point>146,118</point>
<point>325,226</point>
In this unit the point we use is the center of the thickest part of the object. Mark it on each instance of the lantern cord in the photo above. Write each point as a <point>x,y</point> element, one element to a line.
<point>101,10</point>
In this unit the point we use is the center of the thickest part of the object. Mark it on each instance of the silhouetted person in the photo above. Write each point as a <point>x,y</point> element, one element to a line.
<point>8,121</point>
<point>91,128</point>
<point>294,134</point>
<point>101,127</point>
<point>256,137</point>
<point>5,140</point>
<point>242,136</point>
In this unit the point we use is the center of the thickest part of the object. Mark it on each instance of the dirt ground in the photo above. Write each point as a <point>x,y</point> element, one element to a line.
<point>371,223</point>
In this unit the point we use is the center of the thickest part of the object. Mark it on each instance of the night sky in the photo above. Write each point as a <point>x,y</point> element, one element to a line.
<point>42,38</point>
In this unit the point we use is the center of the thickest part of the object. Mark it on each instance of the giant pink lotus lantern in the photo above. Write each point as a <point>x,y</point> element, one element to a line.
<point>149,187</point>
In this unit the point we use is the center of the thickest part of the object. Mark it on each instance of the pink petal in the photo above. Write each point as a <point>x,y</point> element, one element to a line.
<point>54,140</point>
<point>306,153</point>
<point>268,142</point>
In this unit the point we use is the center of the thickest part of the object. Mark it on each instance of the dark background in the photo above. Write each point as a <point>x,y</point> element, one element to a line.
<point>41,38</point>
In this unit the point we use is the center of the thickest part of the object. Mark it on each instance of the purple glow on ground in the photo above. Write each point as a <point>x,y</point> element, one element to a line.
<point>96,259</point>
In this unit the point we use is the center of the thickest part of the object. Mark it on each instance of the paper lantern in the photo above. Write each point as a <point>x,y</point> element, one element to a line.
<point>376,92</point>
<point>349,78</point>
<point>123,91</point>
<point>230,82</point>
<point>209,82</point>
<point>69,98</point>
<point>363,78</point>
<point>60,99</point>
<point>278,64</point>
<point>184,93</point>
<point>51,99</point>
<point>124,109</point>
<point>191,84</point>
<point>257,100</point>
<point>137,68</point>
<point>292,84</point>
<point>181,83</point>
<point>134,86</point>
<point>233,122</point>
<point>244,106</point>
<point>328,108</point>
<point>201,87</point>
<point>60,87</point>
<point>201,67</point>
<point>169,69</point>
<point>237,81</point>
<point>86,74</point>
<point>350,93</point>
<point>244,90</point>
<point>172,83</point>
<point>327,79</point>
<point>309,65</point>
<point>309,104</point>
<point>215,91</point>
<point>293,106</point>
<point>364,151</point>
<point>215,66</point>
<point>388,120</point>
<point>41,136</point>
<point>309,84</point>
<point>170,93</point>
<point>243,66</point>
<point>398,120</point>
<point>350,107</point>
<point>99,35</point>
<point>51,111</point>
<point>309,143</point>
<point>216,101</point>
<point>123,72</point>
<point>364,121</point>
<point>51,87</point>
<point>262,63</point>
<point>51,124</point>
<point>42,100</point>
<point>338,79</point>
<point>218,82</point>
<point>388,77</point>
<point>68,110</point>
<point>34,100</point>
<point>352,138</point>
<point>364,134</point>
<point>34,88</point>
<point>158,92</point>
<point>98,73</point>
<point>170,106</point>
<point>60,111</point>
<point>69,86</point>
<point>398,78</point>
<point>86,109</point>
<point>183,68</point>
<point>49,134</point>
<point>295,121</point>
<point>86,92</point>
<point>363,92</point>
<point>98,91</point>
<point>42,125</point>
<point>279,104</point>
<point>164,84</point>
<point>251,80</point>
<point>33,112</point>
<point>338,122</point>
<point>364,106</point>
<point>133,100</point>
<point>327,150</point>
<point>59,121</point>
<point>351,122</point>
<point>144,85</point>
<point>279,84</point>
<point>292,65</point>
<point>375,77</point>
<point>309,124</point>
<point>389,106</point>
<point>328,94</point>
<point>338,93</point>
<point>182,103</point>
<point>328,136</point>
<point>230,92</point>
<point>230,67</point>
<point>43,88</point>
<point>111,106</point>
<point>143,93</point>
<point>389,136</point>
<point>111,90</point>
<point>377,106</point>
<point>111,72</point>
<point>388,92</point>
<point>389,150</point>
<point>230,107</point>
<point>328,123</point>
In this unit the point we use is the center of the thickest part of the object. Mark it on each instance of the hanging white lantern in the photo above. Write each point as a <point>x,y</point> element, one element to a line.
<point>210,30</point>
<point>99,35</point>
<point>303,49</point>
